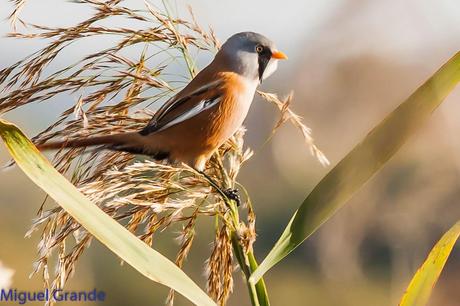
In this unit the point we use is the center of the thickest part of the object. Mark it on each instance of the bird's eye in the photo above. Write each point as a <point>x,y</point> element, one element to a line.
<point>259,49</point>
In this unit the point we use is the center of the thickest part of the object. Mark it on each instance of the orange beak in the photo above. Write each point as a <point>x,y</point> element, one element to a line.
<point>279,55</point>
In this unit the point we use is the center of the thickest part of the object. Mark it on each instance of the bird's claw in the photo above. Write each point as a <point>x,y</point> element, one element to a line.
<point>233,194</point>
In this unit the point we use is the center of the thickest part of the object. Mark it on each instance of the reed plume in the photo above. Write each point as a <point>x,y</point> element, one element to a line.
<point>118,88</point>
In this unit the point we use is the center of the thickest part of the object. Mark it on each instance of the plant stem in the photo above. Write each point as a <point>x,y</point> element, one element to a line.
<point>241,257</point>
<point>247,261</point>
<point>182,46</point>
<point>260,286</point>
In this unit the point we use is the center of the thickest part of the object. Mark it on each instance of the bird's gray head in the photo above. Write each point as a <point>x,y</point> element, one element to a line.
<point>251,55</point>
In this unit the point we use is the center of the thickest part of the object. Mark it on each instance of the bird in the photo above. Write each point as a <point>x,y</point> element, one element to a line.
<point>194,123</point>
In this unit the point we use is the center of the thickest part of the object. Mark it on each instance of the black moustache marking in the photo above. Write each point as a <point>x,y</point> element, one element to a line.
<point>264,58</point>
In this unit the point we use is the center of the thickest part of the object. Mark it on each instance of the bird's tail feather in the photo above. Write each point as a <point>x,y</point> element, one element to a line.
<point>120,142</point>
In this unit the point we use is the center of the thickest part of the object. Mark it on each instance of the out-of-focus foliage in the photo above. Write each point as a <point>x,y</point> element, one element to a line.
<point>6,275</point>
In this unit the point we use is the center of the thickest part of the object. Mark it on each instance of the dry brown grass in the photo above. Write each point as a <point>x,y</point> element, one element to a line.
<point>115,92</point>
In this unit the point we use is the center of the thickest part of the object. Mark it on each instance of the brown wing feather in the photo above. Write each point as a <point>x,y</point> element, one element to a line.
<point>195,92</point>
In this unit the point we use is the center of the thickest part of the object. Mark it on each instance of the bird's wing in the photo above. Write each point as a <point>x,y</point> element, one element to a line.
<point>185,106</point>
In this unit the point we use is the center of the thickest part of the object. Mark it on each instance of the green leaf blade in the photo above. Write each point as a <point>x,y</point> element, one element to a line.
<point>419,290</point>
<point>352,172</point>
<point>118,239</point>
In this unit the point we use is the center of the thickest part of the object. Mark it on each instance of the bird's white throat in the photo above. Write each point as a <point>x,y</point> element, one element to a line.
<point>270,69</point>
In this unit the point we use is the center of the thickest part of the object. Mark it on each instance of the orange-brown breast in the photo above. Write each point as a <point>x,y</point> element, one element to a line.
<point>198,137</point>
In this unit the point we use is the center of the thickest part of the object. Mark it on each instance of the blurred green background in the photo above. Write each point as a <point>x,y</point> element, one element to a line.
<point>351,62</point>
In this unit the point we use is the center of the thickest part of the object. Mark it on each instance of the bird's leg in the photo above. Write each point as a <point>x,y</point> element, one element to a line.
<point>229,193</point>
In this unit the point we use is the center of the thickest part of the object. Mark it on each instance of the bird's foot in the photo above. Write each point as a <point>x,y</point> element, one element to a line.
<point>230,193</point>
<point>233,194</point>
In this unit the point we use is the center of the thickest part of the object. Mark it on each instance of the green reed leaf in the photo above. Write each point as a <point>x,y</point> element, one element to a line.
<point>338,186</point>
<point>118,239</point>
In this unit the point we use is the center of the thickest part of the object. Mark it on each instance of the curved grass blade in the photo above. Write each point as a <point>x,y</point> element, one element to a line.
<point>338,186</point>
<point>118,239</point>
<point>419,290</point>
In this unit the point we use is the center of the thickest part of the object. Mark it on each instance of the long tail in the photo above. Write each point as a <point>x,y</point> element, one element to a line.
<point>129,142</point>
